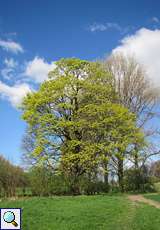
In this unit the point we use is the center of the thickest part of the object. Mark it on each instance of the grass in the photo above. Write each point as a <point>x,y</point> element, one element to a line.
<point>155,197</point>
<point>85,213</point>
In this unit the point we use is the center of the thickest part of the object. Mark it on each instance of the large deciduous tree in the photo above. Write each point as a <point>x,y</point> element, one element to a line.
<point>77,121</point>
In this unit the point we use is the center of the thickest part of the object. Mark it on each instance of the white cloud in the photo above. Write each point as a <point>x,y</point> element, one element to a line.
<point>9,70</point>
<point>97,27</point>
<point>103,27</point>
<point>145,46</point>
<point>155,19</point>
<point>109,26</point>
<point>38,69</point>
<point>10,62</point>
<point>11,46</point>
<point>14,94</point>
<point>7,73</point>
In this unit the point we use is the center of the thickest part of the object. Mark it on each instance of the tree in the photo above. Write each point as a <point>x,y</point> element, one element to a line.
<point>11,177</point>
<point>155,169</point>
<point>27,146</point>
<point>44,182</point>
<point>138,180</point>
<point>135,92</point>
<point>77,122</point>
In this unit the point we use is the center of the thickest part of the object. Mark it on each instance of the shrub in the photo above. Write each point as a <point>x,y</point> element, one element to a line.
<point>138,180</point>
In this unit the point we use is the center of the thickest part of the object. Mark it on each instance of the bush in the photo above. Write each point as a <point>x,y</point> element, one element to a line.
<point>44,182</point>
<point>11,177</point>
<point>138,180</point>
<point>157,187</point>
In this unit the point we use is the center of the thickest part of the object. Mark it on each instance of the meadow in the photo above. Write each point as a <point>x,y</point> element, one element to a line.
<point>154,197</point>
<point>101,212</point>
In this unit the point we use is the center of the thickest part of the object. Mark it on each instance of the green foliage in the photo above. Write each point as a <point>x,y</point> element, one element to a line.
<point>76,120</point>
<point>138,180</point>
<point>11,177</point>
<point>45,183</point>
<point>157,187</point>
<point>89,187</point>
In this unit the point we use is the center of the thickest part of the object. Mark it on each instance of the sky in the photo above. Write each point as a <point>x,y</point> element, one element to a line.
<point>35,34</point>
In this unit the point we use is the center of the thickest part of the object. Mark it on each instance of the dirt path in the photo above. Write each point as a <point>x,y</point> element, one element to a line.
<point>140,198</point>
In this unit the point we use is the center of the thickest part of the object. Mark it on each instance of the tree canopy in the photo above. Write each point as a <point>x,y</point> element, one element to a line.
<point>76,119</point>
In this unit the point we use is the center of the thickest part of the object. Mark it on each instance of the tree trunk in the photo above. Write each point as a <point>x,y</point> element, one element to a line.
<point>106,178</point>
<point>75,189</point>
<point>120,174</point>
<point>136,157</point>
<point>106,173</point>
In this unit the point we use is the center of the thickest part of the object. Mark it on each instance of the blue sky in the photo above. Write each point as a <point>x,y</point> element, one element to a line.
<point>34,34</point>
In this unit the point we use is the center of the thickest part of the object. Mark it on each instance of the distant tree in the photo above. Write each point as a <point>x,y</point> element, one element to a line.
<point>138,180</point>
<point>136,92</point>
<point>11,177</point>
<point>44,182</point>
<point>27,146</point>
<point>155,169</point>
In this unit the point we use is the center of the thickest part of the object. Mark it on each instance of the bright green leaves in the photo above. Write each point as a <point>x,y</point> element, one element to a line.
<point>76,119</point>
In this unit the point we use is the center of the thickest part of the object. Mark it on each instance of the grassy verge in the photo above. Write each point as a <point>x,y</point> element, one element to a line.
<point>155,197</point>
<point>86,213</point>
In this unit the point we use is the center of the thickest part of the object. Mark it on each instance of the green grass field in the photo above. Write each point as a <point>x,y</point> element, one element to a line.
<point>155,197</point>
<point>86,213</point>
